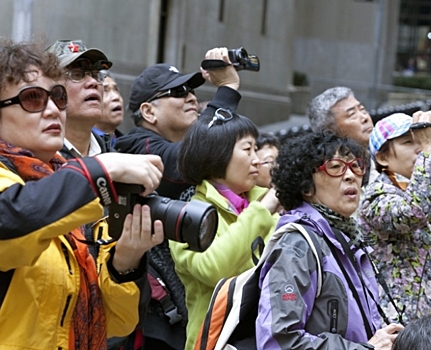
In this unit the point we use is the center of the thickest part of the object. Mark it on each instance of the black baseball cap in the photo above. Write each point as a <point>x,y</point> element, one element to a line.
<point>159,77</point>
<point>68,51</point>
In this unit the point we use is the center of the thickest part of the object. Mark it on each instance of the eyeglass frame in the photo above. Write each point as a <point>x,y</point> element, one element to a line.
<point>168,93</point>
<point>100,78</point>
<point>267,162</point>
<point>219,116</point>
<point>17,99</point>
<point>346,165</point>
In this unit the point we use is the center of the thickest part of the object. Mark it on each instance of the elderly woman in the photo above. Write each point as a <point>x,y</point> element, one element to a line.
<point>51,295</point>
<point>218,155</point>
<point>318,178</point>
<point>395,212</point>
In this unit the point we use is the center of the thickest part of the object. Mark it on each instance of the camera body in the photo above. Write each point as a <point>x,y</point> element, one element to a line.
<point>242,60</point>
<point>193,222</point>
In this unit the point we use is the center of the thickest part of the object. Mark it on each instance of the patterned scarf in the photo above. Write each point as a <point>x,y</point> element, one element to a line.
<point>346,225</point>
<point>88,328</point>
<point>236,203</point>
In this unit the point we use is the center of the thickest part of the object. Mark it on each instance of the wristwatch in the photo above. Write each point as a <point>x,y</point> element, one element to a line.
<point>126,272</point>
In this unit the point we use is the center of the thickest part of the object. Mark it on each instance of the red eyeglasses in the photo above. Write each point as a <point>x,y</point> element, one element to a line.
<point>34,99</point>
<point>337,167</point>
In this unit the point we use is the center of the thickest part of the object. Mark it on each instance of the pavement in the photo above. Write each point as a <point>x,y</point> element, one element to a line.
<point>294,120</point>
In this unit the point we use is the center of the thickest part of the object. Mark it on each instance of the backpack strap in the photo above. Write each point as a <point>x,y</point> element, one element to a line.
<point>160,293</point>
<point>315,247</point>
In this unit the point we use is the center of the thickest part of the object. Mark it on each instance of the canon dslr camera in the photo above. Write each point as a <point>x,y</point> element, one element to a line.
<point>193,222</point>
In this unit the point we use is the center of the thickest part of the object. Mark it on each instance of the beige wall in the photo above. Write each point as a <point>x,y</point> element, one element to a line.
<point>334,41</point>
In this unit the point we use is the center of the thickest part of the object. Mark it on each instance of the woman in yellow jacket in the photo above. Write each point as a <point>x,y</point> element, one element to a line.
<point>218,155</point>
<point>51,294</point>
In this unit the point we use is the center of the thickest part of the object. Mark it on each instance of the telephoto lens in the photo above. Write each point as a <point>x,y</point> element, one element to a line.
<point>193,222</point>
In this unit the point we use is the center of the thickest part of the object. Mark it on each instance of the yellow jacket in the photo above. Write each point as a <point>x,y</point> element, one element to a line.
<point>38,270</point>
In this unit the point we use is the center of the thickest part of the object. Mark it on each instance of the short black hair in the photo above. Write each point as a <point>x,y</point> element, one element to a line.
<point>298,158</point>
<point>415,336</point>
<point>206,152</point>
<point>267,138</point>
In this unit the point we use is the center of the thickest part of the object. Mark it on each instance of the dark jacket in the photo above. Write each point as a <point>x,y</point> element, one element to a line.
<point>144,141</point>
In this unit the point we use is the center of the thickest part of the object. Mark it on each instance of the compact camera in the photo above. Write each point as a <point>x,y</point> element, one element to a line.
<point>193,222</point>
<point>239,58</point>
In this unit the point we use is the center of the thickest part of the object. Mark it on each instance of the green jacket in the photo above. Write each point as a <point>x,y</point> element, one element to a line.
<point>229,254</point>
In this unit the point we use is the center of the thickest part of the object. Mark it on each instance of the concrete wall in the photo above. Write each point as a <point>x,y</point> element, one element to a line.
<point>334,41</point>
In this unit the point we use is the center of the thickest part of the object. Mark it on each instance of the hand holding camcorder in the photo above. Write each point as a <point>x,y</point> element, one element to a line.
<point>193,222</point>
<point>239,58</point>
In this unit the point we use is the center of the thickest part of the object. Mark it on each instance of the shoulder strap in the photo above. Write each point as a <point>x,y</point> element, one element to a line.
<point>314,244</point>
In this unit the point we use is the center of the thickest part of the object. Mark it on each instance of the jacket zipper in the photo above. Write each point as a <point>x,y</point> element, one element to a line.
<point>333,313</point>
<point>65,310</point>
<point>66,256</point>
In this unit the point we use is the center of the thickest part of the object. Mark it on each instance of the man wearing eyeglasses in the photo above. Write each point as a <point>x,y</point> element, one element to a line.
<point>164,105</point>
<point>83,81</point>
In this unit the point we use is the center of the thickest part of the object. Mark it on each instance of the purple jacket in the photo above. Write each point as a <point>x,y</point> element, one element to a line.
<point>290,316</point>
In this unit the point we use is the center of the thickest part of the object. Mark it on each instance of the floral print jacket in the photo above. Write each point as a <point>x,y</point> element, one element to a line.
<point>396,223</point>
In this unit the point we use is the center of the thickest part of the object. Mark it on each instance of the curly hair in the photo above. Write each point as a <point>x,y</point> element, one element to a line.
<point>205,152</point>
<point>16,58</point>
<point>298,159</point>
<point>320,108</point>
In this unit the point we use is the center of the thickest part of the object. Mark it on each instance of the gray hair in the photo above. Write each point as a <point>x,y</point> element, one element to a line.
<point>319,109</point>
<point>137,116</point>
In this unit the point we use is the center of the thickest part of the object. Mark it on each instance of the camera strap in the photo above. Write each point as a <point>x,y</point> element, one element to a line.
<point>379,276</point>
<point>211,64</point>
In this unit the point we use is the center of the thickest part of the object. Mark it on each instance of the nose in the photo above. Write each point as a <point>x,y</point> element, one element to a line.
<point>51,109</point>
<point>349,175</point>
<point>191,98</point>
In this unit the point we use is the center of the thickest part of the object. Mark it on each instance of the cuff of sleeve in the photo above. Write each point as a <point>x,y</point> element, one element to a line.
<point>133,276</point>
<point>97,176</point>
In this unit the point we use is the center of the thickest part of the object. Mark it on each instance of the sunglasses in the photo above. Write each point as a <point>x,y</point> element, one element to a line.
<point>337,167</point>
<point>221,114</point>
<point>35,98</point>
<point>78,74</point>
<point>180,91</point>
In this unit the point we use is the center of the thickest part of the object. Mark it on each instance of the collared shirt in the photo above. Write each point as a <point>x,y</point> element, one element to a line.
<point>93,150</point>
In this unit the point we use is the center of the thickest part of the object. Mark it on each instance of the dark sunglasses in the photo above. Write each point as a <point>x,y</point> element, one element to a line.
<point>35,98</point>
<point>180,91</point>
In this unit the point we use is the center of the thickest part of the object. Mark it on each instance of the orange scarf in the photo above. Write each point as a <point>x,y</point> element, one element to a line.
<point>88,328</point>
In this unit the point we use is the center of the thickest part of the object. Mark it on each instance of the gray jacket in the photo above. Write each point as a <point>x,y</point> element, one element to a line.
<point>290,316</point>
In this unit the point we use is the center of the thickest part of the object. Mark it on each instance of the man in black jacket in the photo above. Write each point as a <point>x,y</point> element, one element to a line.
<point>163,104</point>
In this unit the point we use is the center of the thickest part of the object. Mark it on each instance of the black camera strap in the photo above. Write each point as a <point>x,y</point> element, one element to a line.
<point>211,64</point>
<point>355,294</point>
<point>378,275</point>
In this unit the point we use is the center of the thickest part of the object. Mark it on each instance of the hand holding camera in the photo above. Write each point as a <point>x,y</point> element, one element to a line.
<point>193,222</point>
<point>221,77</point>
<point>139,235</point>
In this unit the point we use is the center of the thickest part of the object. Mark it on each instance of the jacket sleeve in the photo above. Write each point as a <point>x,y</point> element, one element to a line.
<point>34,213</point>
<point>125,301</point>
<point>389,209</point>
<point>225,97</point>
<point>231,248</point>
<point>288,288</point>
